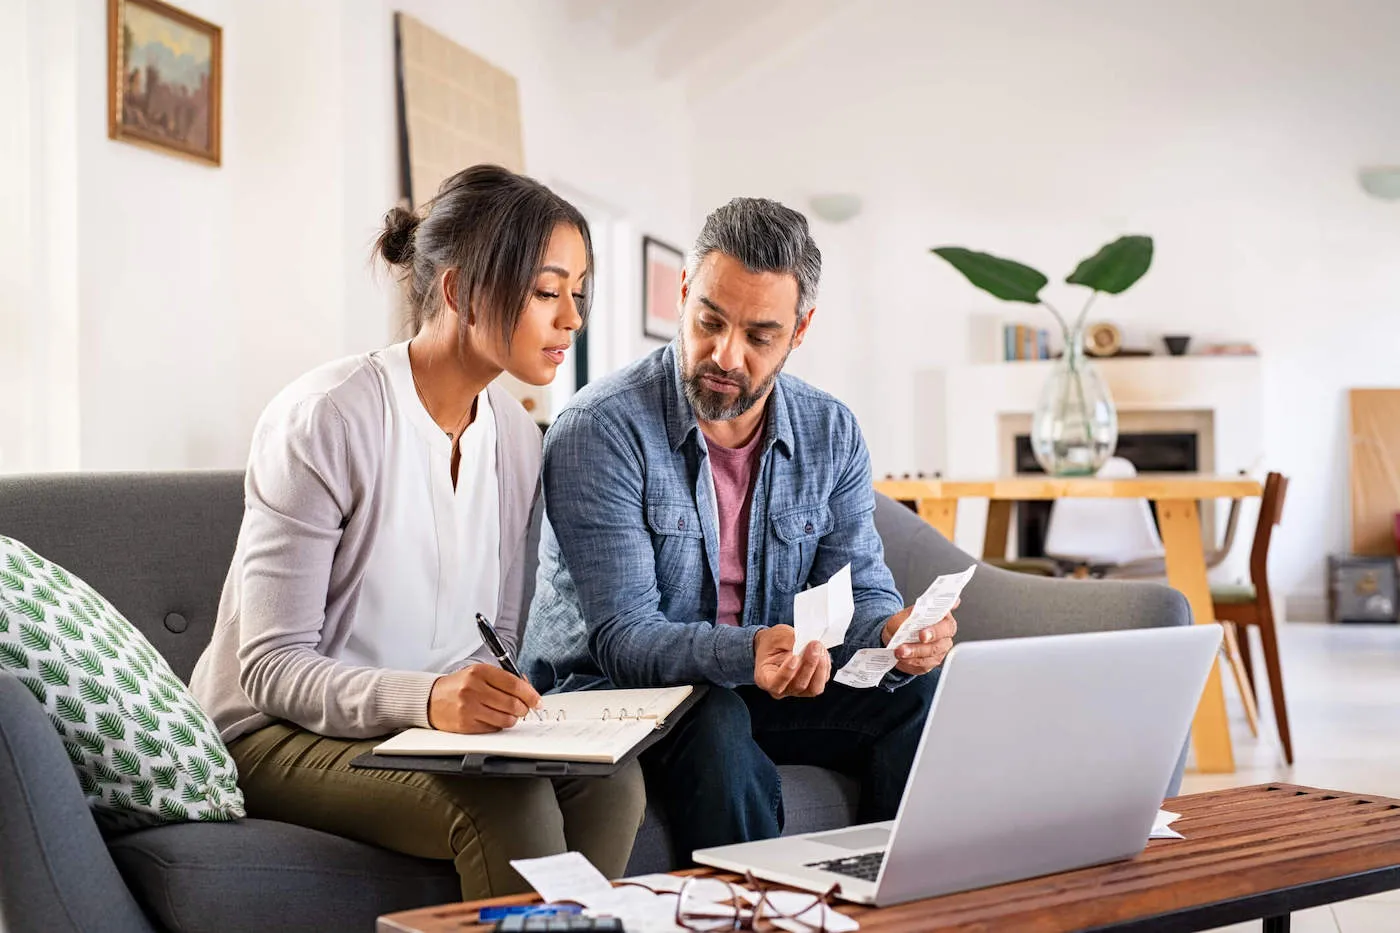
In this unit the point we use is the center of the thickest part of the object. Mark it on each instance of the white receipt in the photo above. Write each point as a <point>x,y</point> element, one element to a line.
<point>938,600</point>
<point>824,612</point>
<point>1161,827</point>
<point>868,666</point>
<point>566,877</point>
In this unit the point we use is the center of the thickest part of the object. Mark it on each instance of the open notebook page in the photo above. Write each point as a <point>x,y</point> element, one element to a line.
<point>556,740</point>
<point>653,703</point>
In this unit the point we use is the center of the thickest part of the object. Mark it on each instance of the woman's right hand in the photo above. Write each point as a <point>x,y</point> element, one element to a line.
<point>479,698</point>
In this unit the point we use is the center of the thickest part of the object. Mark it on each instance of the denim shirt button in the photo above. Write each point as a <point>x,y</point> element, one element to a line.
<point>808,528</point>
<point>680,524</point>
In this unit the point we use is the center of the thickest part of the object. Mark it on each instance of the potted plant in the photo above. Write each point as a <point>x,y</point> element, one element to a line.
<point>1075,426</point>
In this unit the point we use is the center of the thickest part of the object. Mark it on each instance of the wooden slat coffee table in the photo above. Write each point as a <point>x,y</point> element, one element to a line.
<point>1249,853</point>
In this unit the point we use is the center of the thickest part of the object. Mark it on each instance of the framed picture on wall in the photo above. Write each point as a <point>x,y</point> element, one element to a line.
<point>164,79</point>
<point>661,288</point>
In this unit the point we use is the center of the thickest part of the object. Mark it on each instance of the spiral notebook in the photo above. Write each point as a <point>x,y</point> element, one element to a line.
<point>599,726</point>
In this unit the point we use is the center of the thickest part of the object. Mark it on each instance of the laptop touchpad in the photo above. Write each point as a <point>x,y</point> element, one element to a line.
<point>863,838</point>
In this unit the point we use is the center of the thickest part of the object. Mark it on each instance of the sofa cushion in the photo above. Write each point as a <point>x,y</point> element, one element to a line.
<point>144,751</point>
<point>259,875</point>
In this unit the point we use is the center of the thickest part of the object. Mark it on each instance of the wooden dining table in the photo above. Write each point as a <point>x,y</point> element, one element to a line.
<point>1177,497</point>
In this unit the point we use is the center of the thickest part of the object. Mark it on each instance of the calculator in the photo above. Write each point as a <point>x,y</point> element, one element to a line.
<point>574,923</point>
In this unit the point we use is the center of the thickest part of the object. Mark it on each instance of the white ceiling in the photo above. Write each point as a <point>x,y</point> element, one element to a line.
<point>703,45</point>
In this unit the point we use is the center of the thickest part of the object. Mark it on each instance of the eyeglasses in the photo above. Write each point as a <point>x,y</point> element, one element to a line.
<point>710,905</point>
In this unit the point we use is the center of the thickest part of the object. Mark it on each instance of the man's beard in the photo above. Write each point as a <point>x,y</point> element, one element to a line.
<point>717,406</point>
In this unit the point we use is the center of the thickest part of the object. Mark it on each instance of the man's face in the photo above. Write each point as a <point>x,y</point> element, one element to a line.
<point>737,329</point>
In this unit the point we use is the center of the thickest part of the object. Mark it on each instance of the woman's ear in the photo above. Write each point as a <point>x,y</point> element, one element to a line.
<point>448,286</point>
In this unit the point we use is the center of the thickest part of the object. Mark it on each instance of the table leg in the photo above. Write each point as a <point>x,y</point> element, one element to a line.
<point>1277,924</point>
<point>941,514</point>
<point>998,528</point>
<point>1186,571</point>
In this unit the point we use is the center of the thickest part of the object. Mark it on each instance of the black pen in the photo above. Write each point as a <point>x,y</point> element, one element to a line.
<point>497,647</point>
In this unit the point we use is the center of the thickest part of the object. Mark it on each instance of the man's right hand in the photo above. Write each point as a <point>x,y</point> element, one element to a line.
<point>784,674</point>
<point>479,698</point>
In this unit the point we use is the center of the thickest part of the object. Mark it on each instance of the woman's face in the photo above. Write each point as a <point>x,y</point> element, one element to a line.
<point>551,317</point>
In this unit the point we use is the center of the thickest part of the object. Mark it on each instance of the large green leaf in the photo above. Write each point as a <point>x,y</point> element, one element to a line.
<point>30,608</point>
<point>13,656</point>
<point>67,627</point>
<point>1005,278</point>
<point>92,691</point>
<point>150,746</point>
<point>173,811</point>
<point>35,687</point>
<point>183,735</point>
<point>1116,267</point>
<point>143,792</point>
<point>111,726</point>
<point>71,709</point>
<point>128,762</point>
<point>94,743</point>
<point>165,776</point>
<point>55,675</point>
<point>9,581</point>
<point>33,638</point>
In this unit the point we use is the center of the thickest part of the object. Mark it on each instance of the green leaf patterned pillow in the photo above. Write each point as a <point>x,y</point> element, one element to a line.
<point>144,750</point>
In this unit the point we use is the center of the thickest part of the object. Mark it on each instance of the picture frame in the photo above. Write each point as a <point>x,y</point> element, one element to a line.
<point>662,265</point>
<point>164,79</point>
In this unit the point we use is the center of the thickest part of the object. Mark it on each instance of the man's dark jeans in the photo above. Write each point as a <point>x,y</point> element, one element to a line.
<point>716,774</point>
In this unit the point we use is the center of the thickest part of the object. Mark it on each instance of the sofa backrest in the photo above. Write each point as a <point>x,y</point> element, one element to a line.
<point>158,545</point>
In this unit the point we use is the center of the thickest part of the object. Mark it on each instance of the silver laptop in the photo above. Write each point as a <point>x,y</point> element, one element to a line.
<point>1039,755</point>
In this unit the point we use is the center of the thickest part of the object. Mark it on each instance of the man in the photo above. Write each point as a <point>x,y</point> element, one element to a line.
<point>689,497</point>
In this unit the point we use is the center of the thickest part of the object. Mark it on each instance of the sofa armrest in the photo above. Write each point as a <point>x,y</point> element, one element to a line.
<point>55,873</point>
<point>1002,604</point>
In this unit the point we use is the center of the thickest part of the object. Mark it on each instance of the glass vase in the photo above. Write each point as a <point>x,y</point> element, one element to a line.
<point>1075,426</point>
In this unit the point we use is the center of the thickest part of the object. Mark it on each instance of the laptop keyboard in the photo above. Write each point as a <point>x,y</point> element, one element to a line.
<point>865,867</point>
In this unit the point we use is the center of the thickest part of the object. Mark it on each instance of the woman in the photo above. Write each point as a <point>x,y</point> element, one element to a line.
<point>387,502</point>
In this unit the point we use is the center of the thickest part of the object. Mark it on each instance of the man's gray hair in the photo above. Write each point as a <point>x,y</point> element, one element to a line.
<point>766,237</point>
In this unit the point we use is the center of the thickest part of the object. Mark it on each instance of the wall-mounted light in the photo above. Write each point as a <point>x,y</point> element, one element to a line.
<point>835,207</point>
<point>1381,181</point>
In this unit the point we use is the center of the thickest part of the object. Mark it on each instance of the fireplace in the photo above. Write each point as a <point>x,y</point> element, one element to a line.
<point>1148,451</point>
<point>1172,441</point>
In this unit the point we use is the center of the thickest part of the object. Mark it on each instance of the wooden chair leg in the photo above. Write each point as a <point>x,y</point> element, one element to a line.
<point>1268,637</point>
<point>1232,654</point>
<point>1243,640</point>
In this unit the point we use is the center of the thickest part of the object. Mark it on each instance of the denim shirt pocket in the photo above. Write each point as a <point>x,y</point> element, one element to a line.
<point>679,545</point>
<point>796,533</point>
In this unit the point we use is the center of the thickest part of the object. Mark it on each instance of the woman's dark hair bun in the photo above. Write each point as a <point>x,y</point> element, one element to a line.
<point>395,243</point>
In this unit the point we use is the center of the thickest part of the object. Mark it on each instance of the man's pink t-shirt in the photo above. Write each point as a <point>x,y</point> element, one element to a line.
<point>733,470</point>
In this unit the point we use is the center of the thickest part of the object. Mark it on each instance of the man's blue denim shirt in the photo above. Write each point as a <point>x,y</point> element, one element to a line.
<point>629,551</point>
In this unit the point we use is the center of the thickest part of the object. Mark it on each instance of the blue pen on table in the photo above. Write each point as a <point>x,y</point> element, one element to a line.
<point>530,910</point>
<point>497,647</point>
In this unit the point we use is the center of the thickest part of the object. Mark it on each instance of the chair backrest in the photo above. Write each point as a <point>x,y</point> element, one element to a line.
<point>1103,531</point>
<point>1270,514</point>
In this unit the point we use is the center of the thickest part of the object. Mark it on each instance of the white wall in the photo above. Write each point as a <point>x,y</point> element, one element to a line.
<point>1231,132</point>
<point>196,292</point>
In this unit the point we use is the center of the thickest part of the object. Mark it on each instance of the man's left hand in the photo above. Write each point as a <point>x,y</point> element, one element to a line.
<point>927,653</point>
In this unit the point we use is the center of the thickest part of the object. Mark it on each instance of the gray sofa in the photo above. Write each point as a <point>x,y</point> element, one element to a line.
<point>157,545</point>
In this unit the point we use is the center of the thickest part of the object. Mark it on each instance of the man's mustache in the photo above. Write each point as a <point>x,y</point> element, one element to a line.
<point>710,369</point>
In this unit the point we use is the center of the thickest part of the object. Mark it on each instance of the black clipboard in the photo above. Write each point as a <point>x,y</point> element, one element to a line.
<point>477,765</point>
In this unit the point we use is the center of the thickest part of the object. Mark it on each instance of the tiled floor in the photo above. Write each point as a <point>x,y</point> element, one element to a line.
<point>1343,689</point>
